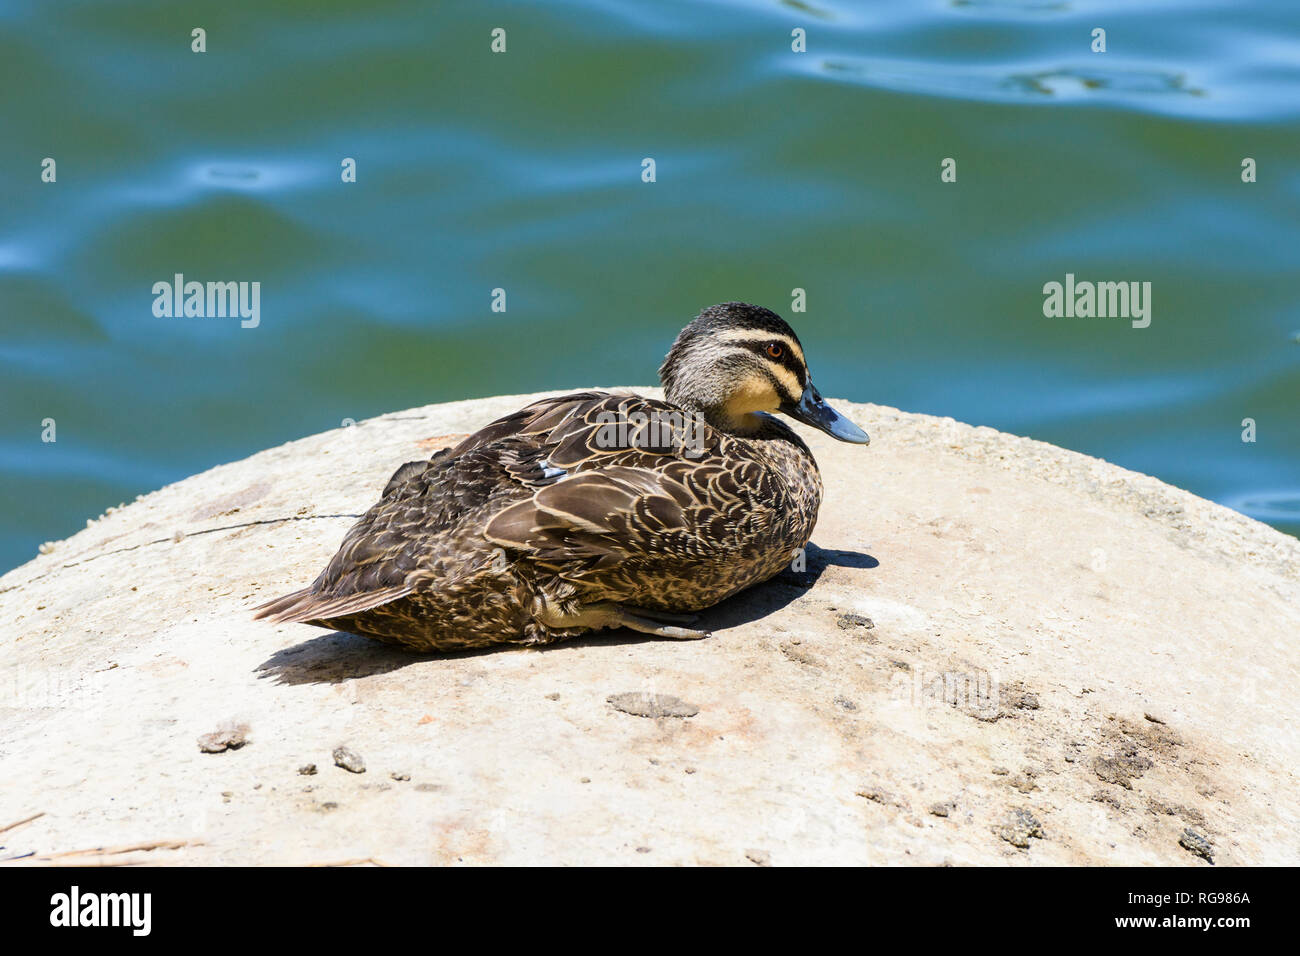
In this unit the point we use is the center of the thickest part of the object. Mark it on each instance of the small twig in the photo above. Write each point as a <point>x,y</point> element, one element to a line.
<point>125,848</point>
<point>358,862</point>
<point>102,855</point>
<point>45,862</point>
<point>34,816</point>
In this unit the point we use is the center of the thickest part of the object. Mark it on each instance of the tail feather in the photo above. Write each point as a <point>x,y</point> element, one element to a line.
<point>308,605</point>
<point>283,605</point>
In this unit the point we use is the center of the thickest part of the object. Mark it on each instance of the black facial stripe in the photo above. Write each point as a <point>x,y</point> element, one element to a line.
<point>776,383</point>
<point>787,359</point>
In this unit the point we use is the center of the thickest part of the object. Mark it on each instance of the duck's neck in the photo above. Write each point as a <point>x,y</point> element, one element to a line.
<point>737,415</point>
<point>750,425</point>
<point>743,425</point>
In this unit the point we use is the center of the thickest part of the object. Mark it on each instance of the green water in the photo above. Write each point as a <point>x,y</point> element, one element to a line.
<point>522,170</point>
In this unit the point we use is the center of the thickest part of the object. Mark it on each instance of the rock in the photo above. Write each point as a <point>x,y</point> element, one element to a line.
<point>1020,827</point>
<point>1023,782</point>
<point>759,857</point>
<point>1194,843</point>
<point>229,736</point>
<point>1108,798</point>
<point>883,797</point>
<point>848,622</point>
<point>1188,814</point>
<point>1018,697</point>
<point>652,705</point>
<point>1190,618</point>
<point>1122,768</point>
<point>796,652</point>
<point>307,770</point>
<point>349,760</point>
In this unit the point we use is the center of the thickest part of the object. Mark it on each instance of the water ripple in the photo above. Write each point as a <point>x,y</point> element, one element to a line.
<point>1271,506</point>
<point>1148,89</point>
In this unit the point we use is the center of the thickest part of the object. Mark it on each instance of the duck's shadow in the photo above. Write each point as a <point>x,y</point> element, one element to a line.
<point>338,656</point>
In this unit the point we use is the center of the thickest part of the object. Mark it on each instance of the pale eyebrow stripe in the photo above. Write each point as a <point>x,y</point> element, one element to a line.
<point>755,337</point>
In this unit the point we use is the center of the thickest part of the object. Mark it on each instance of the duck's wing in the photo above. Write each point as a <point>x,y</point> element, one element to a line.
<point>597,520</point>
<point>678,494</point>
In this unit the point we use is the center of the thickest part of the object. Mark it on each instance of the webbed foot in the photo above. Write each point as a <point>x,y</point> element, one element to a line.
<point>661,623</point>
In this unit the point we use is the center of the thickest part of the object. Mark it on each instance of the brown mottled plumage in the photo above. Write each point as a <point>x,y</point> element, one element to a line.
<point>593,509</point>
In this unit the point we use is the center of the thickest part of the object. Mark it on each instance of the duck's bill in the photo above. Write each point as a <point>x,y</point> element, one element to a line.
<point>813,410</point>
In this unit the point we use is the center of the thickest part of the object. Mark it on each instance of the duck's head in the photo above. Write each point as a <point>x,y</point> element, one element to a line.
<point>736,361</point>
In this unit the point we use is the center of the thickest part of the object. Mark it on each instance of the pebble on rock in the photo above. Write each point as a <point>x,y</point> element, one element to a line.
<point>229,736</point>
<point>349,760</point>
<point>849,621</point>
<point>1021,826</point>
<point>640,704</point>
<point>1194,843</point>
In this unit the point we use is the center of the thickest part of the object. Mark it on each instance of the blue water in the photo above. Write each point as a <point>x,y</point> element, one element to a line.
<point>775,170</point>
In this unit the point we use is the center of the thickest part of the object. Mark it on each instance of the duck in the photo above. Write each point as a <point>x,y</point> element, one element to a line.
<point>594,510</point>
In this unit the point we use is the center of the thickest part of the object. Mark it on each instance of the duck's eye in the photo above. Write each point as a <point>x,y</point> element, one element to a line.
<point>774,350</point>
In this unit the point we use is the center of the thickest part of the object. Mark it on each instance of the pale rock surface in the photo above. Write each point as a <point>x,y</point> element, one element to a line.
<point>1066,663</point>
